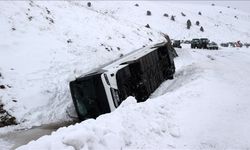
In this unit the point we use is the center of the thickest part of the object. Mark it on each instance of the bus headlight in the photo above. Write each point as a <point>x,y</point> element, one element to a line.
<point>115,96</point>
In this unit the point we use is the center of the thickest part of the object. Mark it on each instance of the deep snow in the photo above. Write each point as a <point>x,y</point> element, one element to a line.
<point>44,45</point>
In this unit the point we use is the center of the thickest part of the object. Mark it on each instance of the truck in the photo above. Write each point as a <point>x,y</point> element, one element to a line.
<point>137,74</point>
<point>204,42</point>
<point>195,43</point>
<point>177,43</point>
<point>200,43</point>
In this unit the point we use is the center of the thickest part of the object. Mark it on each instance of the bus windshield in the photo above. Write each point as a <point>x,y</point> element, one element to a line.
<point>89,96</point>
<point>85,97</point>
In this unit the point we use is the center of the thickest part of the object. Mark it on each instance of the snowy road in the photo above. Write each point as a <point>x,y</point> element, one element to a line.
<point>18,138</point>
<point>206,106</point>
<point>12,140</point>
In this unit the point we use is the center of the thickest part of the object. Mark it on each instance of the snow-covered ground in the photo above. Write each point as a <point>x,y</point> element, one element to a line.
<point>206,106</point>
<point>44,45</point>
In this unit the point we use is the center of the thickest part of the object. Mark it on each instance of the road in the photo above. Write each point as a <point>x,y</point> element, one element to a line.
<point>15,139</point>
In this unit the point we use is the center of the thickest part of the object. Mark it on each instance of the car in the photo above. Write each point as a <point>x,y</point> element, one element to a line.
<point>195,43</point>
<point>204,42</point>
<point>177,43</point>
<point>231,44</point>
<point>224,44</point>
<point>212,46</point>
<point>187,42</point>
<point>247,45</point>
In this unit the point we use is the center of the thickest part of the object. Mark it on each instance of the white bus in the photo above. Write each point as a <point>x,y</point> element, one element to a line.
<point>137,74</point>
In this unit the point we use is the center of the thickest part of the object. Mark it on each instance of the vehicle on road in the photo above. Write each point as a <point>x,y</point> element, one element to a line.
<point>177,43</point>
<point>195,43</point>
<point>212,46</point>
<point>201,43</point>
<point>224,44</point>
<point>247,45</point>
<point>136,74</point>
<point>187,42</point>
<point>204,42</point>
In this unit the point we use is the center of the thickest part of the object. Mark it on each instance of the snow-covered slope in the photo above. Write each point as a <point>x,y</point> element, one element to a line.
<point>206,106</point>
<point>221,24</point>
<point>44,45</point>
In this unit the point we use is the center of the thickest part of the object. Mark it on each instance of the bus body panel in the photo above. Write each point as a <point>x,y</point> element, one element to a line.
<point>108,93</point>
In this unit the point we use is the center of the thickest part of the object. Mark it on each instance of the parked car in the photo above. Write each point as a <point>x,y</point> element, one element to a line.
<point>231,44</point>
<point>195,43</point>
<point>204,42</point>
<point>247,45</point>
<point>212,46</point>
<point>224,44</point>
<point>187,42</point>
<point>177,43</point>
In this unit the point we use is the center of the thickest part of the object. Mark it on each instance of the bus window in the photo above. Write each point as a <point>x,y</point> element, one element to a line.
<point>123,77</point>
<point>89,97</point>
<point>85,98</point>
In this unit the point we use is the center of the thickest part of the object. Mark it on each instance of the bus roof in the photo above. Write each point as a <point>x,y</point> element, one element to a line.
<point>116,64</point>
<point>133,56</point>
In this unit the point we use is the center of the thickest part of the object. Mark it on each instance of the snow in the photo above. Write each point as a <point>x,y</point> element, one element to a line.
<point>204,107</point>
<point>44,45</point>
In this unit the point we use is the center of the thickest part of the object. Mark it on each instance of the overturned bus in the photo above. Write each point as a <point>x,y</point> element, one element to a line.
<point>137,74</point>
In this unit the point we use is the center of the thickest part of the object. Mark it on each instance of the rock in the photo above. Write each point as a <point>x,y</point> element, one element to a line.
<point>5,118</point>
<point>165,15</point>
<point>148,13</point>
<point>173,18</point>
<point>89,4</point>
<point>69,41</point>
<point>147,26</point>
<point>2,87</point>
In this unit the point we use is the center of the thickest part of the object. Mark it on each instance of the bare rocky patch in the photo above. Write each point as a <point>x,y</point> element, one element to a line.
<point>5,118</point>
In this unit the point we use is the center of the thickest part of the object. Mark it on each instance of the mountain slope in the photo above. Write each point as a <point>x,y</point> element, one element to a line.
<point>219,22</point>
